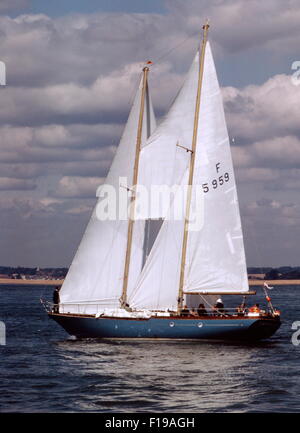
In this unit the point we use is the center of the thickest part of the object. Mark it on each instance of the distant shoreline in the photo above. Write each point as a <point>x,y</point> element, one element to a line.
<point>11,281</point>
<point>274,282</point>
<point>8,281</point>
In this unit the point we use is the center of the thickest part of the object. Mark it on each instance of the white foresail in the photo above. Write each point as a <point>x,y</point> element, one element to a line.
<point>164,157</point>
<point>215,254</point>
<point>215,259</point>
<point>157,287</point>
<point>95,279</point>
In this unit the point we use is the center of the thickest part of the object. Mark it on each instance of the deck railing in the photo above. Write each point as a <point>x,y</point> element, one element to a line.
<point>50,307</point>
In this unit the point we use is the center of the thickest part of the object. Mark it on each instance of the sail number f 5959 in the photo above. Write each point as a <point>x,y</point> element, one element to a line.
<point>218,181</point>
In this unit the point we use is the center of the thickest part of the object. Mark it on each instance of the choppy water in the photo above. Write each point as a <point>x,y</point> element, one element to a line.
<point>43,370</point>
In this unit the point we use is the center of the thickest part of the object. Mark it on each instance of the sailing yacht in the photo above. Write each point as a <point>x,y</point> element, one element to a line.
<point>144,276</point>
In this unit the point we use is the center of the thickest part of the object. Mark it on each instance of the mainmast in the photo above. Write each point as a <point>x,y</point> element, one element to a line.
<point>134,182</point>
<point>191,169</point>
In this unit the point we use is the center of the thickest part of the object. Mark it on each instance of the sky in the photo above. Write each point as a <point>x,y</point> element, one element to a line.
<point>72,68</point>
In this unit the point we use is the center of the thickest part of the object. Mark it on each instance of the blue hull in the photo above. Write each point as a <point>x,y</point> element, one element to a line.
<point>237,328</point>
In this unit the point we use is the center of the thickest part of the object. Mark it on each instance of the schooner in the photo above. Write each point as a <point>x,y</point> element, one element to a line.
<point>146,275</point>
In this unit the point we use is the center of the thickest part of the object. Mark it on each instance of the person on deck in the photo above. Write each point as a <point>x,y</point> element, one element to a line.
<point>219,306</point>
<point>56,299</point>
<point>254,309</point>
<point>201,310</point>
<point>241,308</point>
<point>185,311</point>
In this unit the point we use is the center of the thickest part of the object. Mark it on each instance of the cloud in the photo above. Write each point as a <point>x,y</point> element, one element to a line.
<point>10,5</point>
<point>264,122</point>
<point>70,84</point>
<point>77,135</point>
<point>40,51</point>
<point>21,171</point>
<point>57,143</point>
<point>107,100</point>
<point>284,214</point>
<point>271,229</point>
<point>35,232</point>
<point>273,164</point>
<point>10,184</point>
<point>77,187</point>
<point>78,210</point>
<point>271,24</point>
<point>28,207</point>
<point>276,152</point>
<point>22,208</point>
<point>258,111</point>
<point>279,151</point>
<point>257,174</point>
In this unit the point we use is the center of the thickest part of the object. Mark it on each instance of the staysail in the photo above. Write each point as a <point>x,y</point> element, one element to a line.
<point>164,157</point>
<point>95,278</point>
<point>215,259</point>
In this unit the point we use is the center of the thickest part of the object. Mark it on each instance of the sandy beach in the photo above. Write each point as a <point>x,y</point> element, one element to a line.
<point>8,281</point>
<point>275,282</point>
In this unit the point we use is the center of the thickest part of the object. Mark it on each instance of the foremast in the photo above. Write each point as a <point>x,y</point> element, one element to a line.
<point>123,298</point>
<point>191,168</point>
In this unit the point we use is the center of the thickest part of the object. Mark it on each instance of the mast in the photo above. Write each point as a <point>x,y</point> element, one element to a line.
<point>191,169</point>
<point>134,182</point>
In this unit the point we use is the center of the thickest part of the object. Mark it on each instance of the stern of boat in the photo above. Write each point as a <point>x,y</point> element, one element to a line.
<point>263,327</point>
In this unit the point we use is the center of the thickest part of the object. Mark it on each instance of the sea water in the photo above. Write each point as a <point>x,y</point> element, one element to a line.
<point>44,370</point>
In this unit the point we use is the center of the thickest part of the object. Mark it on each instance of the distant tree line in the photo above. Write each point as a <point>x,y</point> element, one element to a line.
<point>276,274</point>
<point>281,273</point>
<point>20,270</point>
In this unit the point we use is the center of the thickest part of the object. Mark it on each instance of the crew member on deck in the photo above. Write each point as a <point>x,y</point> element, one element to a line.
<point>241,308</point>
<point>56,299</point>
<point>201,310</point>
<point>254,309</point>
<point>219,306</point>
<point>185,311</point>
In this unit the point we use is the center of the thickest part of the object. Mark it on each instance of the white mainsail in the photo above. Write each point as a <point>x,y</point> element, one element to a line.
<point>95,278</point>
<point>215,258</point>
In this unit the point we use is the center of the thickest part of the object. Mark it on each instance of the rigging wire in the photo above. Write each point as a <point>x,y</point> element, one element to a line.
<point>167,53</point>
